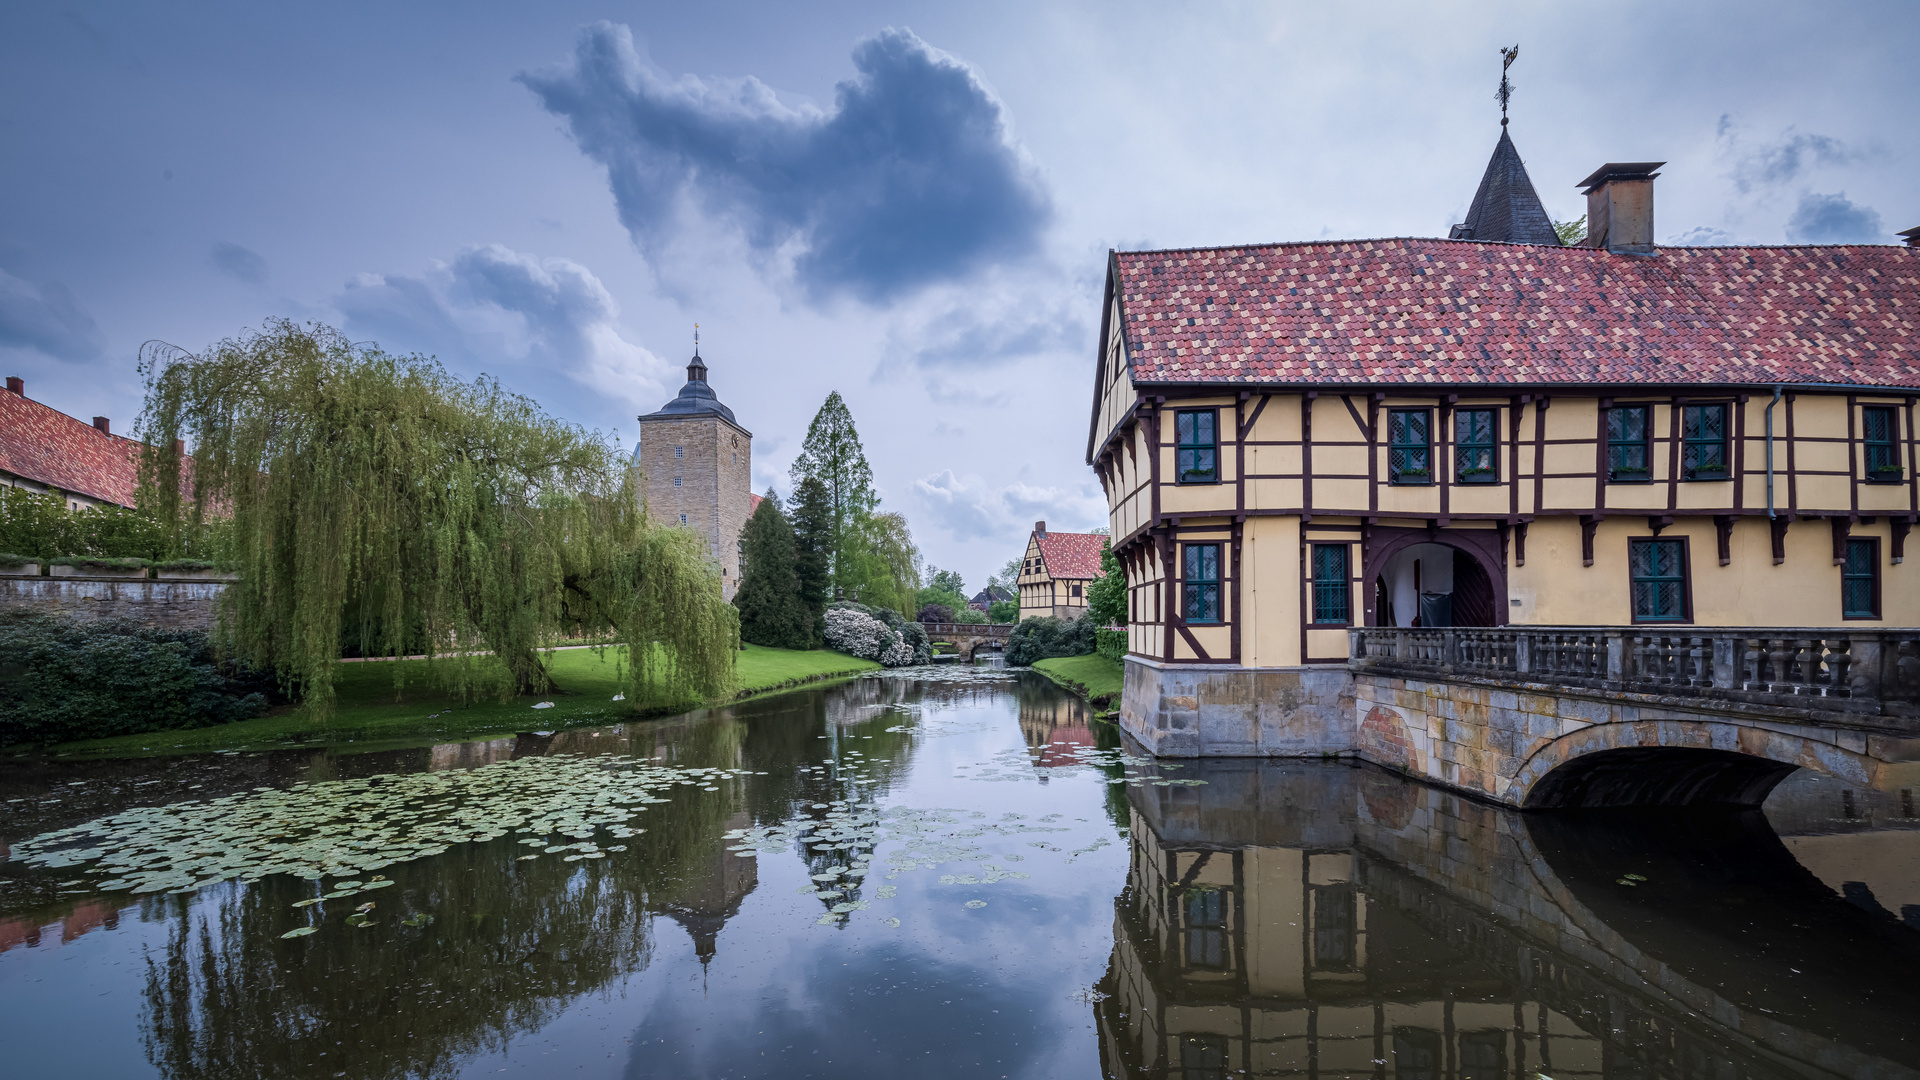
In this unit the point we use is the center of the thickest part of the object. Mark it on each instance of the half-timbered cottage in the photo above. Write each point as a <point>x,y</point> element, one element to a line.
<point>1296,439</point>
<point>1056,572</point>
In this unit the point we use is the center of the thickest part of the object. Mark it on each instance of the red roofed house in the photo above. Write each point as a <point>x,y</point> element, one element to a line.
<point>1300,438</point>
<point>42,448</point>
<point>1055,572</point>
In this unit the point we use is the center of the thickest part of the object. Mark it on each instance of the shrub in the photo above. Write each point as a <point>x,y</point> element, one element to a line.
<point>90,562</point>
<point>876,634</point>
<point>1111,644</point>
<point>62,680</point>
<point>935,613</point>
<point>1044,637</point>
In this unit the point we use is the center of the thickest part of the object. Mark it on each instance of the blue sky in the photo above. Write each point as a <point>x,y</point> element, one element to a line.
<point>909,203</point>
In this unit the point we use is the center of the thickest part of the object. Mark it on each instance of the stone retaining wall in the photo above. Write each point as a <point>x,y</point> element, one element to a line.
<point>170,604</point>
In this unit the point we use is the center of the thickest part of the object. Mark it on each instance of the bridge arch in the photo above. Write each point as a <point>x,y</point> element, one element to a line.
<point>1677,762</point>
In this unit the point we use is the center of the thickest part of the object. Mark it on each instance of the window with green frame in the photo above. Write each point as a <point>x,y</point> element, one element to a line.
<point>1627,443</point>
<point>1883,455</point>
<point>1658,570</point>
<point>1196,447</point>
<point>1332,593</point>
<point>1200,583</point>
<point>1410,446</point>
<point>1860,580</point>
<point>1703,442</point>
<point>1475,457</point>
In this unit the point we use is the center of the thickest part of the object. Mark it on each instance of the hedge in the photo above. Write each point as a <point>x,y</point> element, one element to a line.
<point>1111,644</point>
<point>62,680</point>
<point>1044,637</point>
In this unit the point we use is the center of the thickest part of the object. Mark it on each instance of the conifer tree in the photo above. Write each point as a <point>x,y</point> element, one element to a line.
<point>772,612</point>
<point>832,454</point>
<point>812,518</point>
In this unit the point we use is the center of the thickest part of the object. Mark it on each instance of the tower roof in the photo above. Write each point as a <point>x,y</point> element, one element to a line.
<point>695,399</point>
<point>1506,209</point>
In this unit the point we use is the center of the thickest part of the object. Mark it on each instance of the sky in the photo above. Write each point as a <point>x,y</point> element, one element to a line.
<point>908,203</point>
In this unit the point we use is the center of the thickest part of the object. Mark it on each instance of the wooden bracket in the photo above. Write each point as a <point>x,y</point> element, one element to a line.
<point>1779,528</point>
<point>1589,524</point>
<point>1723,529</point>
<point>1842,526</point>
<point>1519,543</point>
<point>1900,525</point>
<point>1658,522</point>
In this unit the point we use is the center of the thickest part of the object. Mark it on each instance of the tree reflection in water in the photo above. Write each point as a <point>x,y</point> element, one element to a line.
<point>1332,920</point>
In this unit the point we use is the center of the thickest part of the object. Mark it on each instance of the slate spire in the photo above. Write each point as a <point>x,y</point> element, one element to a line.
<point>1506,209</point>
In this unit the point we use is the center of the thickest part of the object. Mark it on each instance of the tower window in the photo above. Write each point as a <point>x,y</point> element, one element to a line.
<point>683,519</point>
<point>676,481</point>
<point>679,451</point>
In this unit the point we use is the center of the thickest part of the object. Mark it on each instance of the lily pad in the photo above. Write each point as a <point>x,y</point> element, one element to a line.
<point>299,931</point>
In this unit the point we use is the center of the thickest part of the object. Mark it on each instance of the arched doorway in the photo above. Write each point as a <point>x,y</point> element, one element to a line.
<point>1435,577</point>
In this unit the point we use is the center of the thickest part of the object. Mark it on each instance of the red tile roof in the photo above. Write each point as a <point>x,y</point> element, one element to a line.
<point>47,446</point>
<point>1461,312</point>
<point>754,506</point>
<point>1071,555</point>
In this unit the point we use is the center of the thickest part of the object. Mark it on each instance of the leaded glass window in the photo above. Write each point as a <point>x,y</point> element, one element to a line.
<point>1200,583</point>
<point>1474,447</point>
<point>1703,442</point>
<point>1197,447</point>
<point>1332,600</point>
<point>1859,581</point>
<point>1627,443</point>
<point>1205,911</point>
<point>1883,457</point>
<point>1410,446</point>
<point>1658,569</point>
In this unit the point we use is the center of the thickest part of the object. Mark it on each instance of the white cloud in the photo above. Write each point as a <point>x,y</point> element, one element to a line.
<point>492,304</point>
<point>969,508</point>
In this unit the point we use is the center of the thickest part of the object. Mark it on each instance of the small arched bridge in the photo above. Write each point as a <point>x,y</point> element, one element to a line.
<point>1563,717</point>
<point>970,638</point>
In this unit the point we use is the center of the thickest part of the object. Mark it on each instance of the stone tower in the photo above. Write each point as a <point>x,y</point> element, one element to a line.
<point>695,465</point>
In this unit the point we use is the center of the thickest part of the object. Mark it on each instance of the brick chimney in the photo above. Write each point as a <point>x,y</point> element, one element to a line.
<point>103,425</point>
<point>1040,527</point>
<point>17,385</point>
<point>1620,207</point>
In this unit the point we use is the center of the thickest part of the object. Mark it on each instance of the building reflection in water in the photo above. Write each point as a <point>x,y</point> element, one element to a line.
<point>1331,921</point>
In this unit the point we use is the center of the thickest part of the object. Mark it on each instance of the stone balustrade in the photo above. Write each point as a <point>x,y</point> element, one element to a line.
<point>1830,669</point>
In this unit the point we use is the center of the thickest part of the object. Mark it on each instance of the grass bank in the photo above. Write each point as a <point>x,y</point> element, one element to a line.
<point>372,715</point>
<point>1092,676</point>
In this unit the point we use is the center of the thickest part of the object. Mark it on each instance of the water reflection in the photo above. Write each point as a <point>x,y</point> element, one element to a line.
<point>1337,921</point>
<point>1277,919</point>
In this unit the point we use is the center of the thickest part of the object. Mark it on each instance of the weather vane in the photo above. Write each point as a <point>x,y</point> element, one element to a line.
<point>1502,95</point>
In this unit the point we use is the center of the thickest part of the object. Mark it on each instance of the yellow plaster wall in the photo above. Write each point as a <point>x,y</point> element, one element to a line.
<point>1271,563</point>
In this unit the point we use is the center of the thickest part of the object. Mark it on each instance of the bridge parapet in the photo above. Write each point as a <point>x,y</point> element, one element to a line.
<point>970,637</point>
<point>1863,672</point>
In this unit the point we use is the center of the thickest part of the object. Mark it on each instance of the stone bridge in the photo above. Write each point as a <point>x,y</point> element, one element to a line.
<point>1294,918</point>
<point>1592,716</point>
<point>971,638</point>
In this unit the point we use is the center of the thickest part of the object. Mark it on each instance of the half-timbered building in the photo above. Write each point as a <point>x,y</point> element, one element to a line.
<point>1056,572</point>
<point>1296,439</point>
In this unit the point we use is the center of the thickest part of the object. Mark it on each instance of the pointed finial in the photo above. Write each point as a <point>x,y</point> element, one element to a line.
<point>696,339</point>
<point>1502,95</point>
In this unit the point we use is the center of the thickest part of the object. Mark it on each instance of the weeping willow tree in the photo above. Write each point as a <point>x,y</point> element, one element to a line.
<point>377,503</point>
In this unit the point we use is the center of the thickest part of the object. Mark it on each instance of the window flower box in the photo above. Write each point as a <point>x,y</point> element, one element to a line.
<point>1886,474</point>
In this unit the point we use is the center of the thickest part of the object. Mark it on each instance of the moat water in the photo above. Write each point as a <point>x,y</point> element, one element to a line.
<point>938,872</point>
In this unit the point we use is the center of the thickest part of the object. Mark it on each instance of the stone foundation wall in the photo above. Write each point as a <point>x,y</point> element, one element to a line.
<point>170,604</point>
<point>1224,710</point>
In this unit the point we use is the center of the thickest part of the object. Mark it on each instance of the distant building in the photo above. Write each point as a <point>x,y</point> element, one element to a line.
<point>989,596</point>
<point>42,449</point>
<point>696,470</point>
<point>1056,571</point>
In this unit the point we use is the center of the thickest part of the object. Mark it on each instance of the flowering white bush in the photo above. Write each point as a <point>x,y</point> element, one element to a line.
<point>864,636</point>
<point>899,654</point>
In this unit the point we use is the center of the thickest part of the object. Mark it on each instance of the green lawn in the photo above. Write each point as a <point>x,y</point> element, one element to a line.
<point>1090,676</point>
<point>371,715</point>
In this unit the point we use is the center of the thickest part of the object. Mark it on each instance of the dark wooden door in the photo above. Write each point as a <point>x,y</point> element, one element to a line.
<point>1473,599</point>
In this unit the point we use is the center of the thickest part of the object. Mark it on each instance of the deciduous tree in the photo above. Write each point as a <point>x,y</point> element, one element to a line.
<point>449,518</point>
